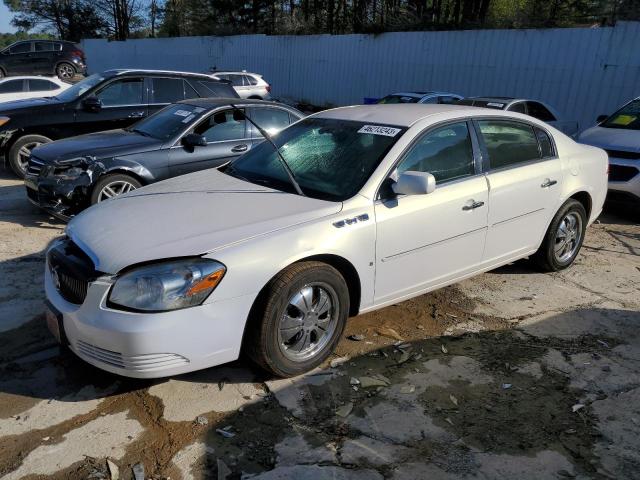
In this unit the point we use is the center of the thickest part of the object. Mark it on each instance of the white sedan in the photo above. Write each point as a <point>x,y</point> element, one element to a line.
<point>361,208</point>
<point>20,88</point>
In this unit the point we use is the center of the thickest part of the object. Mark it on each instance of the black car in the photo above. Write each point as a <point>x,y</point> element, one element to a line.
<point>43,57</point>
<point>103,101</point>
<point>68,175</point>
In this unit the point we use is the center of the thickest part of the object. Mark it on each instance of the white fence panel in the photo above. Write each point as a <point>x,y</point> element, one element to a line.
<point>582,72</point>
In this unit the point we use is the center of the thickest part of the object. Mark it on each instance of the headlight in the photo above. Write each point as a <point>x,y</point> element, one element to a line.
<point>4,120</point>
<point>69,173</point>
<point>167,286</point>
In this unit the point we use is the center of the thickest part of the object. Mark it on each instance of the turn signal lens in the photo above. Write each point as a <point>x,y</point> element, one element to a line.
<point>206,284</point>
<point>4,120</point>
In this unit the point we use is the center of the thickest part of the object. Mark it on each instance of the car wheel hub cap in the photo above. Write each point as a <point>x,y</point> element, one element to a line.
<point>308,322</point>
<point>114,189</point>
<point>25,152</point>
<point>568,237</point>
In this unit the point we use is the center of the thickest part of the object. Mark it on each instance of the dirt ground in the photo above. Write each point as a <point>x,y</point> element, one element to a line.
<point>513,374</point>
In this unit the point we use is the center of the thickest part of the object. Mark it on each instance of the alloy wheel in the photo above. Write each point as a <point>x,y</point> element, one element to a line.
<point>114,189</point>
<point>308,322</point>
<point>568,237</point>
<point>24,153</point>
<point>66,71</point>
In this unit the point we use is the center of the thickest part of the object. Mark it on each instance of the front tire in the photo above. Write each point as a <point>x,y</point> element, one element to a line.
<point>298,319</point>
<point>20,152</point>
<point>112,185</point>
<point>563,239</point>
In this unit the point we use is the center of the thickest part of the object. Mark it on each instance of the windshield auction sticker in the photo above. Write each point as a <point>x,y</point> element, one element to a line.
<point>379,130</point>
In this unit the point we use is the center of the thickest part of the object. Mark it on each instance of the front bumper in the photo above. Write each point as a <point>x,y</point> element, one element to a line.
<point>150,345</point>
<point>60,198</point>
<point>624,178</point>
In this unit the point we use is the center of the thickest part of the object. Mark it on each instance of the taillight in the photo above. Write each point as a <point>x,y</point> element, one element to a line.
<point>268,88</point>
<point>78,53</point>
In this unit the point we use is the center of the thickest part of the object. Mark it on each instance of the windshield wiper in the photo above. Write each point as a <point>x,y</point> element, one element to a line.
<point>284,163</point>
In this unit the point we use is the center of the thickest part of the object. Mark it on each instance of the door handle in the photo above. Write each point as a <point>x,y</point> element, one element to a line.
<point>240,148</point>
<point>473,205</point>
<point>548,183</point>
<point>136,115</point>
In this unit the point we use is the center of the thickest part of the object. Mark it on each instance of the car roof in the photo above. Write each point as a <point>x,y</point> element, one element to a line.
<point>400,114</point>
<point>235,72</point>
<point>138,71</point>
<point>214,102</point>
<point>32,77</point>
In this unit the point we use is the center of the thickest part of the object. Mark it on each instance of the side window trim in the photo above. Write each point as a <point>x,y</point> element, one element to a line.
<point>477,153</point>
<point>486,165</point>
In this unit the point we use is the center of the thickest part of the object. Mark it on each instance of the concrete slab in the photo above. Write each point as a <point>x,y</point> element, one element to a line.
<point>290,391</point>
<point>105,436</point>
<point>48,413</point>
<point>295,450</point>
<point>370,452</point>
<point>189,458</point>
<point>190,395</point>
<point>315,472</point>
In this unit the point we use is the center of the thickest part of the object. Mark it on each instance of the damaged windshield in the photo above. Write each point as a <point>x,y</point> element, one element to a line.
<point>331,159</point>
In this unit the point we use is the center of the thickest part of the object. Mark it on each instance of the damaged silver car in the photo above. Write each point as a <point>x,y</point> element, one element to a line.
<point>67,176</point>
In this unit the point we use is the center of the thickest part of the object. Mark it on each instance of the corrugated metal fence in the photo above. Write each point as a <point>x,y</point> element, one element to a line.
<point>582,72</point>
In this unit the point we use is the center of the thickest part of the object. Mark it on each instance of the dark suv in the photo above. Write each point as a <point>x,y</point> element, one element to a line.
<point>103,101</point>
<point>42,57</point>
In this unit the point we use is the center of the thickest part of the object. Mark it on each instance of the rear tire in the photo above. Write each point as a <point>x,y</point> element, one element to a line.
<point>286,340</point>
<point>563,239</point>
<point>112,185</point>
<point>20,152</point>
<point>65,71</point>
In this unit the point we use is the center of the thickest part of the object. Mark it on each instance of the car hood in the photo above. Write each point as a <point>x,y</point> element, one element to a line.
<point>185,216</point>
<point>612,138</point>
<point>7,108</point>
<point>100,145</point>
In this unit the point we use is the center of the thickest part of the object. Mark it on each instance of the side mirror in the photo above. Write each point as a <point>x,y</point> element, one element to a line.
<point>601,118</point>
<point>414,183</point>
<point>92,104</point>
<point>193,140</point>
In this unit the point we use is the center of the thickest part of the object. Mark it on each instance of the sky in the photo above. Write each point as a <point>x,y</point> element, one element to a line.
<point>5,19</point>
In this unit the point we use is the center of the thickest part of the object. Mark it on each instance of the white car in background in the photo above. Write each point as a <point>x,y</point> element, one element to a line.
<point>533,108</point>
<point>20,88</point>
<point>247,85</point>
<point>362,207</point>
<point>619,135</point>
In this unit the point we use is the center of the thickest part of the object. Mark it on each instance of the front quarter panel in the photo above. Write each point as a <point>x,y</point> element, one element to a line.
<point>252,263</point>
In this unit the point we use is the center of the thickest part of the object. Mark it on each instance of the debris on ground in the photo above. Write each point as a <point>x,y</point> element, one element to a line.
<point>225,432</point>
<point>444,349</point>
<point>223,470</point>
<point>577,407</point>
<point>114,471</point>
<point>345,410</point>
<point>356,337</point>
<point>138,471</point>
<point>374,381</point>
<point>336,362</point>
<point>200,420</point>
<point>389,333</point>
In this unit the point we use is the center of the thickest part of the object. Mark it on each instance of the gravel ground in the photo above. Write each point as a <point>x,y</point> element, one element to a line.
<point>512,374</point>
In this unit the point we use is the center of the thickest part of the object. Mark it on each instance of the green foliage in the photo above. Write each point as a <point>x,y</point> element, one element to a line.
<point>7,39</point>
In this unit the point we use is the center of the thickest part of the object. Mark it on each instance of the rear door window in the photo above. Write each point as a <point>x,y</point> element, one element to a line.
<point>271,120</point>
<point>167,90</point>
<point>237,80</point>
<point>12,86</point>
<point>44,46</point>
<point>546,146</point>
<point>518,108</point>
<point>539,111</point>
<point>249,80</point>
<point>41,85</point>
<point>508,143</point>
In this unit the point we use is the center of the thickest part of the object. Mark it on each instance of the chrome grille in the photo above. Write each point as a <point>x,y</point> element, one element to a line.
<point>35,166</point>
<point>72,289</point>
<point>138,363</point>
